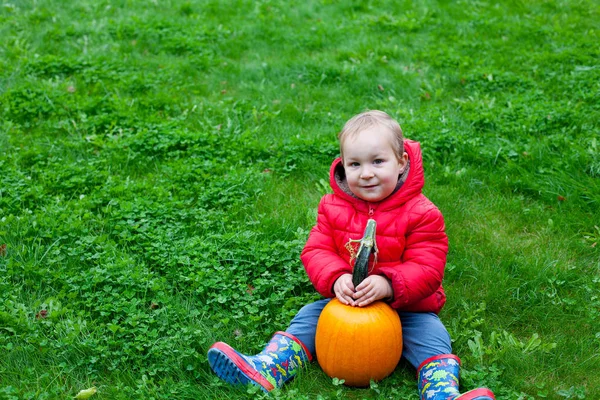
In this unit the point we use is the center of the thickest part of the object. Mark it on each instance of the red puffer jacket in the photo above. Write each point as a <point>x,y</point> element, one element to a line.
<point>410,237</point>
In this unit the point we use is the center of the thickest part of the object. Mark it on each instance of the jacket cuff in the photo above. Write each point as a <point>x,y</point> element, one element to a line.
<point>399,291</point>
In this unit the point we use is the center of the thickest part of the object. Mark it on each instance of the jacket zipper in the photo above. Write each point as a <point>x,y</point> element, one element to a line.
<point>371,211</point>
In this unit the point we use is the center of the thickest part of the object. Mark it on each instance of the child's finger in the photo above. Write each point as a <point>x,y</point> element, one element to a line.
<point>362,290</point>
<point>363,284</point>
<point>341,298</point>
<point>344,299</point>
<point>365,301</point>
<point>349,295</point>
<point>360,296</point>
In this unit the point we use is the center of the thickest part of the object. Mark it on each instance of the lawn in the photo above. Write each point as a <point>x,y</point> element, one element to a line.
<point>161,163</point>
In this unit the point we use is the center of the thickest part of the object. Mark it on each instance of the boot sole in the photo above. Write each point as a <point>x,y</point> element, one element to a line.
<point>233,369</point>
<point>477,394</point>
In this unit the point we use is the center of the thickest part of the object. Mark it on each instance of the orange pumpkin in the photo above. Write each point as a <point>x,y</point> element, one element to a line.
<point>358,344</point>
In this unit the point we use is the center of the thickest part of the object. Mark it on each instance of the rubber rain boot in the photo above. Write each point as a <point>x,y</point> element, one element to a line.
<point>280,361</point>
<point>438,380</point>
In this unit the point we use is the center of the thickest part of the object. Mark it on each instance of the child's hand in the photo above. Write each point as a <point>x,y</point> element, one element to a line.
<point>373,288</point>
<point>344,289</point>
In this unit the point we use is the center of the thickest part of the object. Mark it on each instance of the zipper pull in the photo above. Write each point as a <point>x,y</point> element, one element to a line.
<point>371,211</point>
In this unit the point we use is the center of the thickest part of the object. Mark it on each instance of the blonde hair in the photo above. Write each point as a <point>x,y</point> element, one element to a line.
<point>367,120</point>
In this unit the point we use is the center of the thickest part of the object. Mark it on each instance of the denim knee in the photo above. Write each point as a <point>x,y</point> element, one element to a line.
<point>304,324</point>
<point>424,336</point>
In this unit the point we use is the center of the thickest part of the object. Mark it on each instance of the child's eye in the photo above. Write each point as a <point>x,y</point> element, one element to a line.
<point>378,161</point>
<point>354,164</point>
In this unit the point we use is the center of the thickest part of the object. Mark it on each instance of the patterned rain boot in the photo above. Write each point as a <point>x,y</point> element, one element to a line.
<point>438,380</point>
<point>280,361</point>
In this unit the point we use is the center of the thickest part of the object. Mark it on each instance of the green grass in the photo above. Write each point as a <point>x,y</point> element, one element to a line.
<point>161,166</point>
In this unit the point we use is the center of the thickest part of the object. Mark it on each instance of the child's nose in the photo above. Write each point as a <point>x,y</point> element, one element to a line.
<point>366,173</point>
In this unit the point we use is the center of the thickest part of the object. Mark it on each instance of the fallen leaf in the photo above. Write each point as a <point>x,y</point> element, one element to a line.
<point>250,289</point>
<point>41,314</point>
<point>380,88</point>
<point>223,91</point>
<point>86,393</point>
<point>561,198</point>
<point>2,250</point>
<point>153,306</point>
<point>594,244</point>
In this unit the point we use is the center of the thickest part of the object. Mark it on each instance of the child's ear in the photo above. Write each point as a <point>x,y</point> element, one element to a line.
<point>403,162</point>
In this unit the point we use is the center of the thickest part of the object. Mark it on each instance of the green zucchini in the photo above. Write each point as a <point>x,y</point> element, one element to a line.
<point>366,247</point>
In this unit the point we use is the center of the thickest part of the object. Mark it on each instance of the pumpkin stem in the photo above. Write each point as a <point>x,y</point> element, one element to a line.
<point>366,247</point>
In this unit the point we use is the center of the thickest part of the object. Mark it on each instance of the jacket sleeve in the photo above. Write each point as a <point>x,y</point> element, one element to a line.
<point>420,271</point>
<point>320,255</point>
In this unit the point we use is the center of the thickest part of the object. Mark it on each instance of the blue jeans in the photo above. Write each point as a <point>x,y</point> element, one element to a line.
<point>423,334</point>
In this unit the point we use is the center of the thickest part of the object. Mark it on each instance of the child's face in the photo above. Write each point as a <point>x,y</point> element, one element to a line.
<point>372,167</point>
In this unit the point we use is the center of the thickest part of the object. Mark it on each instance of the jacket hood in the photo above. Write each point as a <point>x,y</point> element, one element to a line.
<point>410,183</point>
